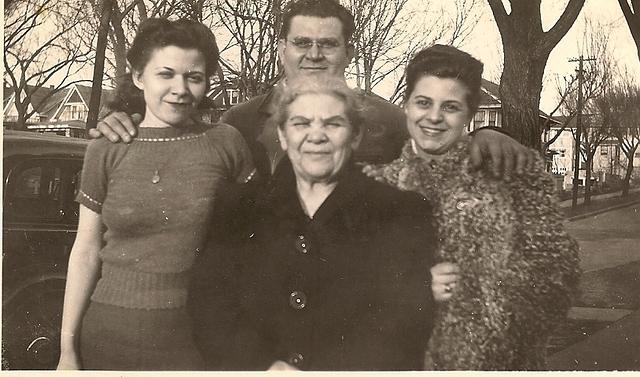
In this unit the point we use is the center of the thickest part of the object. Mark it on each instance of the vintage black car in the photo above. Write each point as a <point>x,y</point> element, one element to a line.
<point>40,217</point>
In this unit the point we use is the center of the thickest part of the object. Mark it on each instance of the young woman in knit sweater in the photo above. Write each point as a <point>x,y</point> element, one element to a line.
<point>506,265</point>
<point>130,265</point>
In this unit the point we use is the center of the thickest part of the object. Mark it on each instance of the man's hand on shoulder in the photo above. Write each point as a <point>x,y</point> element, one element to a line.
<point>117,126</point>
<point>506,155</point>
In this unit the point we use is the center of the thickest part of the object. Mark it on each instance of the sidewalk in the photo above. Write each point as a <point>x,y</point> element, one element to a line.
<point>616,346</point>
<point>567,203</point>
<point>599,204</point>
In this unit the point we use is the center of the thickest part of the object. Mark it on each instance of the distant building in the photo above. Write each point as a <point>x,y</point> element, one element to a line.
<point>608,159</point>
<point>221,98</point>
<point>490,108</point>
<point>63,112</point>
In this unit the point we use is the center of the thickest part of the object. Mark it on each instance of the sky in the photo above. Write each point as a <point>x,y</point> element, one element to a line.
<point>485,43</point>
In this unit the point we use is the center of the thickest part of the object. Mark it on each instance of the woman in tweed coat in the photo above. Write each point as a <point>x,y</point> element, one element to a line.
<point>507,267</point>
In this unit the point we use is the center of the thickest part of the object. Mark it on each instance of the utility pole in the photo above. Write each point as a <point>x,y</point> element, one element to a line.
<point>576,165</point>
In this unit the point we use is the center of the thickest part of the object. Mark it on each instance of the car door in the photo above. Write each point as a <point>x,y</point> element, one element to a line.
<point>40,219</point>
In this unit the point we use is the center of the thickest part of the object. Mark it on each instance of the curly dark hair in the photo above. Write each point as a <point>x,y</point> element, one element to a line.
<point>155,33</point>
<point>447,62</point>
<point>318,8</point>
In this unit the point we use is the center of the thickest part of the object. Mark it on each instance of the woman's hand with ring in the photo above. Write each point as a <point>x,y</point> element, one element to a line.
<point>444,277</point>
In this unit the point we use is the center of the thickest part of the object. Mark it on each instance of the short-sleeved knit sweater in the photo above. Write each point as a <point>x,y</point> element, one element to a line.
<point>156,226</point>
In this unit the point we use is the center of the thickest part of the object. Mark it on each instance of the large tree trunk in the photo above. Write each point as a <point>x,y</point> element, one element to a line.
<point>526,49</point>
<point>98,69</point>
<point>119,42</point>
<point>520,88</point>
<point>632,15</point>
<point>21,122</point>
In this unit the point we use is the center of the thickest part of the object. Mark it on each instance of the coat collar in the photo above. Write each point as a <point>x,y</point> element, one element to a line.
<point>282,197</point>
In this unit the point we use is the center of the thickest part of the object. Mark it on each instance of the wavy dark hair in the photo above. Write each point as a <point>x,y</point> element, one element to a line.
<point>447,62</point>
<point>155,33</point>
<point>318,8</point>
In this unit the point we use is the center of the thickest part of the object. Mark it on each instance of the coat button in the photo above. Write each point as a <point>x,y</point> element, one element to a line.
<point>302,244</point>
<point>462,204</point>
<point>296,359</point>
<point>297,300</point>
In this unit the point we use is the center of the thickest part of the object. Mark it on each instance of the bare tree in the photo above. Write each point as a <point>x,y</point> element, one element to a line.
<point>620,109</point>
<point>37,48</point>
<point>98,69</point>
<point>630,9</point>
<point>596,75</point>
<point>250,56</point>
<point>526,51</point>
<point>126,16</point>
<point>381,27</point>
<point>565,90</point>
<point>595,131</point>
<point>451,24</point>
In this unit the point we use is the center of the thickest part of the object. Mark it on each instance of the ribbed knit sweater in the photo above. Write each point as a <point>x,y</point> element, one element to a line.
<point>157,197</point>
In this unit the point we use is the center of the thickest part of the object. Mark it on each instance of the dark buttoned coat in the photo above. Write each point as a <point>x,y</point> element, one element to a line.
<point>348,289</point>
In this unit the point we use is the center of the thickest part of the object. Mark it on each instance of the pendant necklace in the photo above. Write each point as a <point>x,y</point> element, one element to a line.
<point>171,151</point>
<point>156,173</point>
<point>155,179</point>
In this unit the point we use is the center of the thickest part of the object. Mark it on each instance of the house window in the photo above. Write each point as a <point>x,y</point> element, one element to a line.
<point>561,153</point>
<point>234,96</point>
<point>74,112</point>
<point>604,151</point>
<point>479,118</point>
<point>493,115</point>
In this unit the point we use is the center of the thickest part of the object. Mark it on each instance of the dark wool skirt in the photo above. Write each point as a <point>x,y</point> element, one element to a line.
<point>117,338</point>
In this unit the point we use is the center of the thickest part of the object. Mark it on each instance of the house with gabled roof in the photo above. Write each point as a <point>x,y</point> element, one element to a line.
<point>490,108</point>
<point>63,112</point>
<point>221,97</point>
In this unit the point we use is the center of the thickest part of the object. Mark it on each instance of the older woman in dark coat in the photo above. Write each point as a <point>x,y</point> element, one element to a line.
<point>337,271</point>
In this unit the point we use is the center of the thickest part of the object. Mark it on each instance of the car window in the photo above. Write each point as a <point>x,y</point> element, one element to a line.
<point>43,190</point>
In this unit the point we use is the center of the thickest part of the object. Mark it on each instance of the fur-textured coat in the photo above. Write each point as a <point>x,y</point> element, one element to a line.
<point>518,265</point>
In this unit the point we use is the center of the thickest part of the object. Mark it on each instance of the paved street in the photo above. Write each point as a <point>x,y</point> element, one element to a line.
<point>608,239</point>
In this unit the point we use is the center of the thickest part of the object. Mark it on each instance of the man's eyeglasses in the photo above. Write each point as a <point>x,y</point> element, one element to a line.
<point>326,45</point>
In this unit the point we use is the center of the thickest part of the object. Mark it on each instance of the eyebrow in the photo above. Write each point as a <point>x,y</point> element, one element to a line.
<point>299,118</point>
<point>161,68</point>
<point>447,101</point>
<point>334,118</point>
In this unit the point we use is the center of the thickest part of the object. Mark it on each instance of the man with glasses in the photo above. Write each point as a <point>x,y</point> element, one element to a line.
<point>315,40</point>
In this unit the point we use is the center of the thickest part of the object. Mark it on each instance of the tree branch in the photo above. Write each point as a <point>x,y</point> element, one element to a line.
<point>562,26</point>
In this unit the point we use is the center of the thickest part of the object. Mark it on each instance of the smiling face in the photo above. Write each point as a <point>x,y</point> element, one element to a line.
<point>437,112</point>
<point>317,136</point>
<point>174,82</point>
<point>330,58</point>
